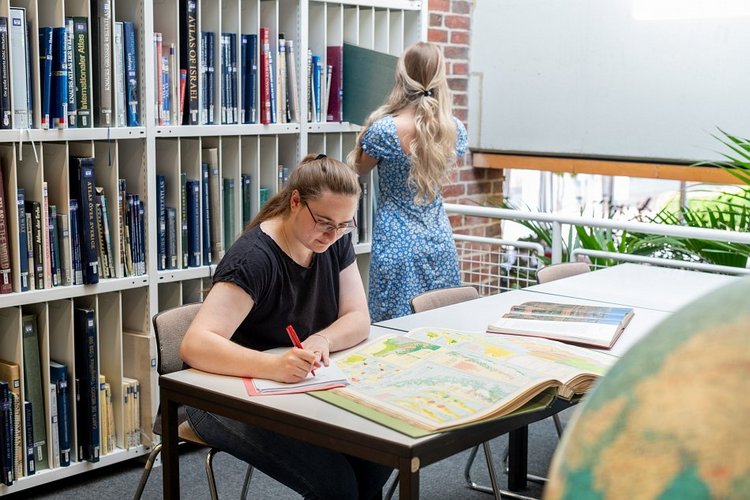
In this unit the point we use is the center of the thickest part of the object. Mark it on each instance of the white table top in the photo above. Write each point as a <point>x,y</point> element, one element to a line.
<point>635,285</point>
<point>475,315</point>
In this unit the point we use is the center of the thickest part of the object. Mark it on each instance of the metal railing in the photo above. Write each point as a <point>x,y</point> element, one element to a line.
<point>494,264</point>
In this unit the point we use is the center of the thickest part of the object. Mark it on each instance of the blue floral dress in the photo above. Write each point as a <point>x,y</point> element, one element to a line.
<point>412,245</point>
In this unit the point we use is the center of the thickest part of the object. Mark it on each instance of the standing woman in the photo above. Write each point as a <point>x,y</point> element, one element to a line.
<point>414,140</point>
<point>294,265</point>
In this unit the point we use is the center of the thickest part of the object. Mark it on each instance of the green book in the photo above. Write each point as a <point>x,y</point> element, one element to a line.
<point>368,79</point>
<point>247,207</point>
<point>229,215</point>
<point>33,389</point>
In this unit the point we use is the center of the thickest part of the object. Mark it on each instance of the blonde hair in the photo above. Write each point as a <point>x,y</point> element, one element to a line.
<point>422,84</point>
<point>313,176</point>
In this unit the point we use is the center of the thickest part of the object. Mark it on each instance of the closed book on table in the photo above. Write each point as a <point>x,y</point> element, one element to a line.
<point>87,383</point>
<point>34,388</point>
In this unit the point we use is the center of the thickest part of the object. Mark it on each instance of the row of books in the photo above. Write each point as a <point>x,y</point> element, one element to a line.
<point>59,247</point>
<point>25,446</point>
<point>71,96</point>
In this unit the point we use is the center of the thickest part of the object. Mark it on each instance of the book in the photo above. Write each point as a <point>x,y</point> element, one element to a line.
<point>598,326</point>
<point>11,373</point>
<point>19,68</point>
<point>119,96</point>
<point>102,59</point>
<point>33,384</point>
<point>291,84</point>
<point>434,379</point>
<point>131,74</point>
<point>54,437</point>
<point>82,58</point>
<point>189,59</point>
<point>326,377</point>
<point>205,211</point>
<point>28,439</point>
<point>265,77</point>
<point>140,362</point>
<point>335,58</point>
<point>70,64</point>
<point>59,99</point>
<point>210,156</point>
<point>34,230</point>
<point>23,241</point>
<point>6,277</point>
<point>229,213</point>
<point>7,461</point>
<point>6,112</point>
<point>87,384</point>
<point>161,219</point>
<point>82,189</point>
<point>45,72</point>
<point>59,377</point>
<point>368,77</point>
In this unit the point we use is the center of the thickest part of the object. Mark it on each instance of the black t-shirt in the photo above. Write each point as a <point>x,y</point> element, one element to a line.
<point>283,291</point>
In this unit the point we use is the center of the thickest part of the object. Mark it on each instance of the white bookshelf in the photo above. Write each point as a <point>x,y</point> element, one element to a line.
<point>138,154</point>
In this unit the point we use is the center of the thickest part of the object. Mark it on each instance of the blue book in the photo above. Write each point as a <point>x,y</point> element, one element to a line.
<point>316,69</point>
<point>193,194</point>
<point>161,227</point>
<point>23,242</point>
<point>75,243</point>
<point>59,98</point>
<point>70,64</point>
<point>58,374</point>
<point>205,214</point>
<point>82,189</point>
<point>28,421</point>
<point>141,235</point>
<point>272,89</point>
<point>244,73</point>
<point>208,96</point>
<point>233,99</point>
<point>45,72</point>
<point>131,73</point>
<point>87,383</point>
<point>166,95</point>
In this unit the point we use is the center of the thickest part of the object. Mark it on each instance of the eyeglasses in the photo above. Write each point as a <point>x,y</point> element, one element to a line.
<point>327,227</point>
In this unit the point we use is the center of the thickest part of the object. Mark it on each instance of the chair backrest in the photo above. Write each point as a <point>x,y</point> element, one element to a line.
<point>443,297</point>
<point>562,270</point>
<point>170,326</point>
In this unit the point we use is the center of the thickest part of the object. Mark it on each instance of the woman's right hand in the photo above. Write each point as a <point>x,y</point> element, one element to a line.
<point>295,364</point>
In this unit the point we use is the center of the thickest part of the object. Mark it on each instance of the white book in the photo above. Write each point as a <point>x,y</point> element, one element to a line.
<point>66,258</point>
<point>19,64</point>
<point>291,84</point>
<point>55,434</point>
<point>46,243</point>
<point>118,70</point>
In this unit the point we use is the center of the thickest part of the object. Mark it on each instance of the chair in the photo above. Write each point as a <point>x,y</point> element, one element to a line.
<point>562,270</point>
<point>170,327</point>
<point>443,297</point>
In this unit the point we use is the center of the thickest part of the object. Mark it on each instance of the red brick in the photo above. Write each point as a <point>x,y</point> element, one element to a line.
<point>437,35</point>
<point>460,37</point>
<point>460,84</point>
<point>436,20</point>
<point>439,5</point>
<point>495,173</point>
<point>454,190</point>
<point>461,7</point>
<point>471,175</point>
<point>458,22</point>
<point>456,52</point>
<point>461,114</point>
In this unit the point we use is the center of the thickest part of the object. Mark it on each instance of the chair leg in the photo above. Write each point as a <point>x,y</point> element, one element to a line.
<point>210,473</point>
<point>246,483</point>
<point>147,471</point>
<point>558,425</point>
<point>392,488</point>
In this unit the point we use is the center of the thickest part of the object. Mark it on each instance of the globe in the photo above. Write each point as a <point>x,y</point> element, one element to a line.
<point>671,419</point>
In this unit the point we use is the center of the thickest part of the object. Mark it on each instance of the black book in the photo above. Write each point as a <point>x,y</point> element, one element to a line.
<point>35,209</point>
<point>6,112</point>
<point>206,215</point>
<point>87,384</point>
<point>171,238</point>
<point>82,188</point>
<point>194,222</point>
<point>6,436</point>
<point>28,422</point>
<point>59,376</point>
<point>189,59</point>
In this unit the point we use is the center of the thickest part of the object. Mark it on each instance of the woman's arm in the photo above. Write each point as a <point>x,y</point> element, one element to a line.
<point>353,323</point>
<point>365,163</point>
<point>207,345</point>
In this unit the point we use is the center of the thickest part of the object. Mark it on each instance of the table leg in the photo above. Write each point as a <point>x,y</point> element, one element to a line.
<point>408,480</point>
<point>518,444</point>
<point>169,458</point>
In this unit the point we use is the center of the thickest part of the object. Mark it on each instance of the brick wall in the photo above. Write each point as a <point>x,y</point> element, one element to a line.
<point>450,26</point>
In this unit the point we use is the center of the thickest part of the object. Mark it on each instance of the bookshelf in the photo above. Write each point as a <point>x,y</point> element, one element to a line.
<point>33,157</point>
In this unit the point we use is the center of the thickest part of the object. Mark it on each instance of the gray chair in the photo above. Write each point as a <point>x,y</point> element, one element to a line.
<point>170,327</point>
<point>562,270</point>
<point>443,297</point>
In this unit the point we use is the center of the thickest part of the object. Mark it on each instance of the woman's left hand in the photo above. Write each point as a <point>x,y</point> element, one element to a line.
<point>319,345</point>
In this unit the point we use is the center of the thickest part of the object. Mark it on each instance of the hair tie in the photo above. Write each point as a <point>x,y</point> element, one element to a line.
<point>320,156</point>
<point>427,93</point>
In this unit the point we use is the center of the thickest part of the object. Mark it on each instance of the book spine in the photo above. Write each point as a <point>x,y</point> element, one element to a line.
<point>292,88</point>
<point>335,57</point>
<point>6,436</point>
<point>103,61</point>
<point>205,210</point>
<point>54,248</point>
<point>229,217</point>
<point>265,84</point>
<point>45,72</point>
<point>189,52</point>
<point>84,167</point>
<point>161,214</point>
<point>171,238</point>
<point>75,243</point>
<point>32,373</point>
<point>87,376</point>
<point>194,223</point>
<point>166,101</point>
<point>63,237</point>
<point>281,79</point>
<point>122,210</point>
<point>244,77</point>
<point>118,63</point>
<point>6,277</point>
<point>54,440</point>
<point>59,375</point>
<point>83,76</point>
<point>159,104</point>
<point>246,193</point>
<point>101,248</point>
<point>23,241</point>
<point>19,68</point>
<point>204,78</point>
<point>34,208</point>
<point>28,425</point>
<point>131,72</point>
<point>252,88</point>
<point>59,102</point>
<point>16,402</point>
<point>70,58</point>
<point>6,112</point>
<point>185,257</point>
<point>272,85</point>
<point>47,255</point>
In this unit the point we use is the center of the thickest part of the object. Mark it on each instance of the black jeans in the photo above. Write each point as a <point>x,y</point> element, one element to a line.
<point>312,471</point>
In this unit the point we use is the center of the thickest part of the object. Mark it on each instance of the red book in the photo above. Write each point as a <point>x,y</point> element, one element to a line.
<point>335,58</point>
<point>265,76</point>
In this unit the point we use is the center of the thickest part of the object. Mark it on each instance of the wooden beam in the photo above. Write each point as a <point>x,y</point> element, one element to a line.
<point>647,170</point>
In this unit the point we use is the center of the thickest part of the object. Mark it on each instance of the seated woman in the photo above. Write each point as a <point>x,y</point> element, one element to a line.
<point>295,264</point>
